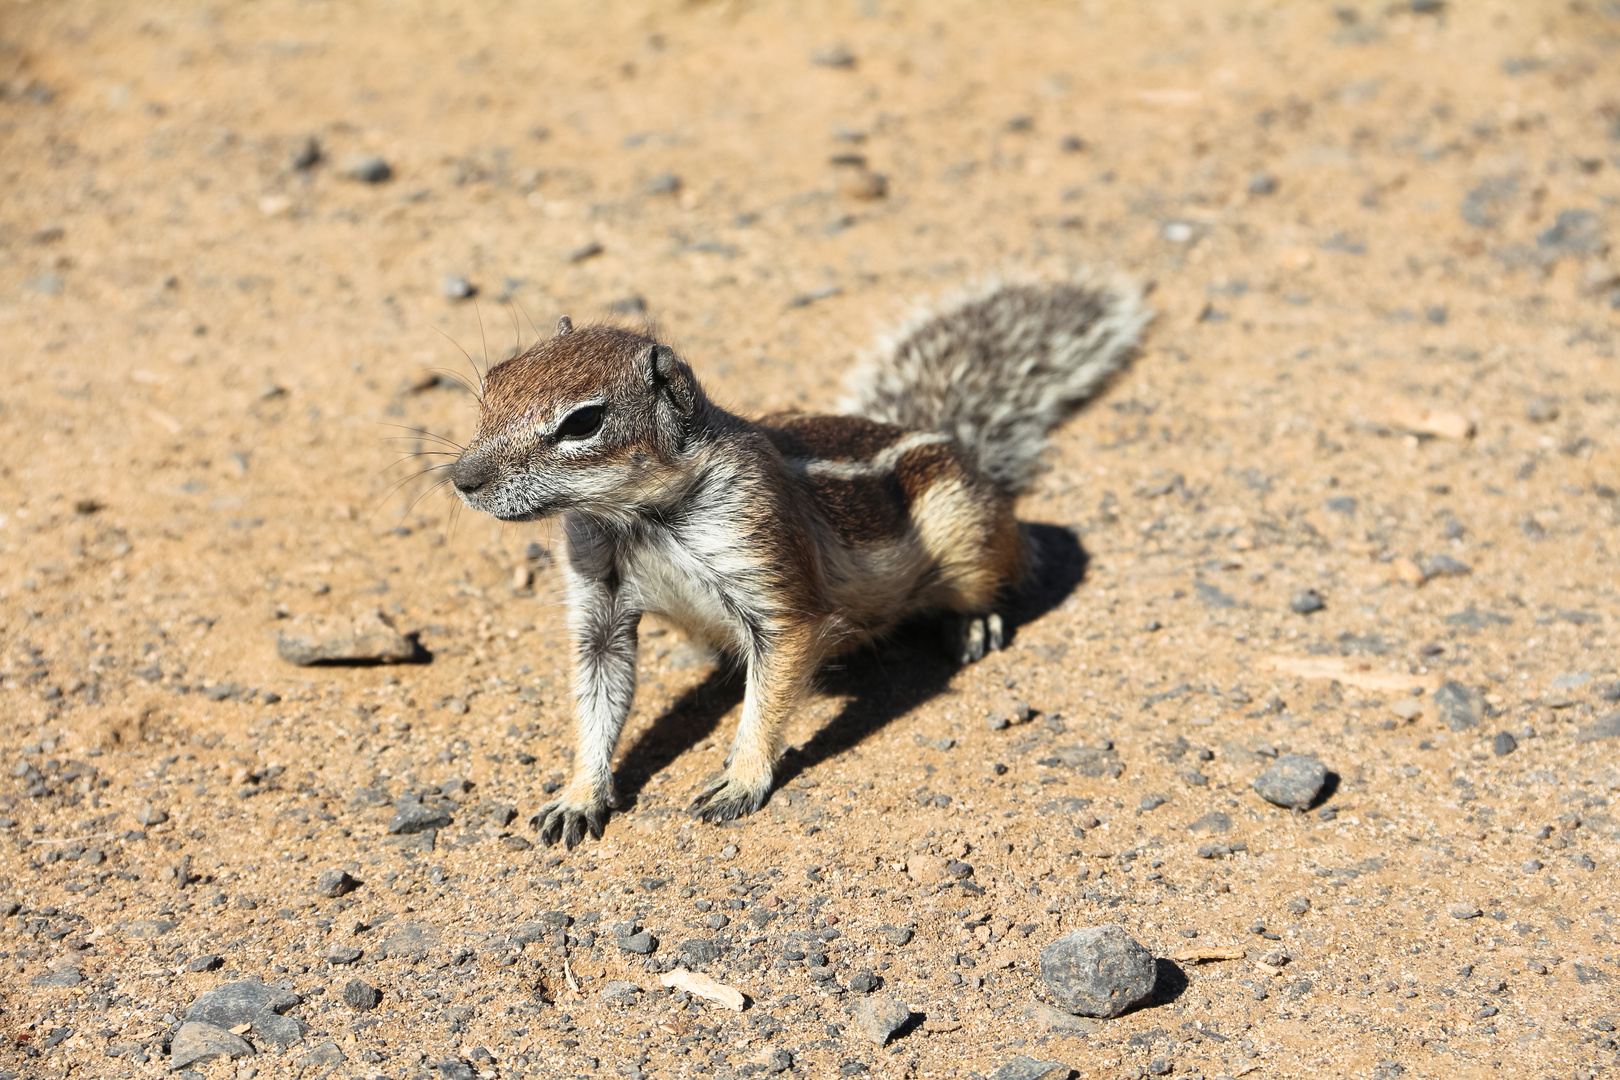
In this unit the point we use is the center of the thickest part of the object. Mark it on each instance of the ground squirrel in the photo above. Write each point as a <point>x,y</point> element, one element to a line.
<point>789,539</point>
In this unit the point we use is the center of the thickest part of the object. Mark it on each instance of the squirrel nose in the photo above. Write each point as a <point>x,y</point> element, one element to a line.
<point>471,473</point>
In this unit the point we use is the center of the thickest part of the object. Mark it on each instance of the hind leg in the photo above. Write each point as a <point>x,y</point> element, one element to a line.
<point>968,637</point>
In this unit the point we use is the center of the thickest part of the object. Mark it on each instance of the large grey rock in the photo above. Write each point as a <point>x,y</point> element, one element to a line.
<point>1460,707</point>
<point>239,1003</point>
<point>1294,781</point>
<point>880,1016</point>
<point>368,638</point>
<point>1098,971</point>
<point>1024,1067</point>
<point>197,1042</point>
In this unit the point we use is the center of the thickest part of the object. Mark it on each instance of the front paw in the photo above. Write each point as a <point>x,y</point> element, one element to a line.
<point>568,821</point>
<point>970,637</point>
<point>728,799</point>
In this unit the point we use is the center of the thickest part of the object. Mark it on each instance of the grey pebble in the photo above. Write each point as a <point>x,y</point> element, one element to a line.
<point>1463,911</point>
<point>418,817</point>
<point>62,977</point>
<point>1160,1067</point>
<point>343,954</point>
<point>585,251</point>
<point>665,183</point>
<point>641,943</point>
<point>1541,410</point>
<point>307,156</point>
<point>205,962</point>
<point>896,935</point>
<point>1294,781</point>
<point>1604,727</point>
<point>334,882</point>
<point>323,1056</point>
<point>197,1042</point>
<point>1504,744</point>
<point>880,1017</point>
<point>1262,183</point>
<point>150,815</point>
<point>1530,866</point>
<point>368,169</point>
<point>619,992</point>
<point>833,56</point>
<point>1460,707</point>
<point>1306,601</point>
<point>1444,565</point>
<point>1299,905</point>
<point>1099,971</point>
<point>361,995</point>
<point>865,982</point>
<point>457,287</point>
<point>1024,1067</point>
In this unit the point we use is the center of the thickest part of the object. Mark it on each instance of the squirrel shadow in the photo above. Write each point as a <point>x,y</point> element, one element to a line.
<point>881,682</point>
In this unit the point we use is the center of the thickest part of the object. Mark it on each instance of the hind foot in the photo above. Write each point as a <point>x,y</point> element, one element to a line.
<point>969,637</point>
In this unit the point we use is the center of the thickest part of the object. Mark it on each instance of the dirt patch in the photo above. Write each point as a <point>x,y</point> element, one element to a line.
<point>1356,500</point>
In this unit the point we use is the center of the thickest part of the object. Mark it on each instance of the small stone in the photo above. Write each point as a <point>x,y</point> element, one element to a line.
<point>997,722</point>
<point>149,815</point>
<point>334,882</point>
<point>140,929</point>
<point>619,992</point>
<point>833,56</point>
<point>1407,708</point>
<point>665,183</point>
<point>198,1042</point>
<point>1541,410</point>
<point>1160,1067</point>
<point>457,287</point>
<point>418,817</point>
<point>865,983</point>
<point>1460,707</point>
<point>361,995</point>
<point>1530,866</point>
<point>641,943</point>
<point>896,935</point>
<point>1444,565</point>
<point>368,169</point>
<point>205,962</point>
<point>239,1003</point>
<point>863,184</point>
<point>1099,971</point>
<point>1262,183</point>
<point>62,977</point>
<point>585,251</point>
<point>1504,744</point>
<point>1306,601</point>
<point>325,639</point>
<point>1294,781</point>
<point>1056,1020</point>
<point>343,954</point>
<point>307,156</point>
<point>324,1056</point>
<point>1605,727</point>
<point>1024,1067</point>
<point>1464,911</point>
<point>880,1017</point>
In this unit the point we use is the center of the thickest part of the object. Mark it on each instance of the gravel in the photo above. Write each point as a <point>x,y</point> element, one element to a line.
<point>880,1017</point>
<point>1294,781</point>
<point>1504,744</point>
<point>1099,971</point>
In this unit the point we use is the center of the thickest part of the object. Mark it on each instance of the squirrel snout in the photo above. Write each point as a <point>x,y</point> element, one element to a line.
<point>471,473</point>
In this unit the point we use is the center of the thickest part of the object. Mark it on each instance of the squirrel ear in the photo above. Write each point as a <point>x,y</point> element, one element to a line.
<point>664,373</point>
<point>565,325</point>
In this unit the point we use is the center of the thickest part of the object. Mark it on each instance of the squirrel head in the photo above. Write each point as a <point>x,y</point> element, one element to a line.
<point>598,420</point>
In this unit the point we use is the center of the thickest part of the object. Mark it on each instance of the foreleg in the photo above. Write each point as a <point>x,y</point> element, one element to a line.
<point>603,625</point>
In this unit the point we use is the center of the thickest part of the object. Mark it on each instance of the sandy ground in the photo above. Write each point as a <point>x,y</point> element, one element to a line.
<point>1380,243</point>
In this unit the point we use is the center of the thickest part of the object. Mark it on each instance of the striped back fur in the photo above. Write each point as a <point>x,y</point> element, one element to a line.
<point>998,368</point>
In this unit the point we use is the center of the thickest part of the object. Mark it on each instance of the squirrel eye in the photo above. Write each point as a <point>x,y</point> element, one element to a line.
<point>581,423</point>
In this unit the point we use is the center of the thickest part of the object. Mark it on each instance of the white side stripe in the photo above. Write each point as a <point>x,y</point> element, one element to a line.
<point>883,463</point>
